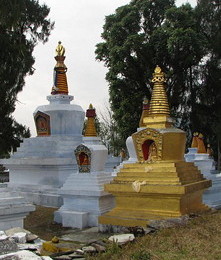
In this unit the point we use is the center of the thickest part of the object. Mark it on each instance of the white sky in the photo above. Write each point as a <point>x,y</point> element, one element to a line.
<point>78,24</point>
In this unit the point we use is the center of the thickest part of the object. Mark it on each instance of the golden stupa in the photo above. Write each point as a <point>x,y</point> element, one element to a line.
<point>60,85</point>
<point>160,184</point>
<point>90,129</point>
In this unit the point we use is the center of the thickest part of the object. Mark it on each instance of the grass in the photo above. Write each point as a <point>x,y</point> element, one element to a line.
<point>200,239</point>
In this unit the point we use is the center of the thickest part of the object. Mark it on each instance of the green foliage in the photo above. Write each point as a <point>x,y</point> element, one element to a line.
<point>184,42</point>
<point>23,23</point>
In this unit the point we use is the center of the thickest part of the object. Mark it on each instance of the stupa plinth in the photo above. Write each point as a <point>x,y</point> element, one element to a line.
<point>160,184</point>
<point>42,164</point>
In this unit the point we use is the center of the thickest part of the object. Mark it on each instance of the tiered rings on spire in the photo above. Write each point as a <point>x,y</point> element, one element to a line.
<point>159,103</point>
<point>159,113</point>
<point>90,129</point>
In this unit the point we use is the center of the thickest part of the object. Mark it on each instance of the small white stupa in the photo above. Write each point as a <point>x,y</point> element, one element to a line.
<point>83,192</point>
<point>42,164</point>
<point>202,158</point>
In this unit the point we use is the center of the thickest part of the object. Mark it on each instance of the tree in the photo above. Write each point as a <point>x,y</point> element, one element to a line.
<point>109,133</point>
<point>208,14</point>
<point>128,55</point>
<point>141,35</point>
<point>23,24</point>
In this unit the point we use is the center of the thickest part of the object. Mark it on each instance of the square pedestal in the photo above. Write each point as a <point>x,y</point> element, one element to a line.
<point>74,219</point>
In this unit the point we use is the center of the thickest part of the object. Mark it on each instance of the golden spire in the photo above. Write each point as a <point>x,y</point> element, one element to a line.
<point>209,150</point>
<point>159,103</point>
<point>145,111</point>
<point>194,143</point>
<point>60,85</point>
<point>201,146</point>
<point>159,114</point>
<point>90,129</point>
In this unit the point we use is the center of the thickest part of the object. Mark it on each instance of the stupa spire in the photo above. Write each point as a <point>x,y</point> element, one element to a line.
<point>60,85</point>
<point>159,113</point>
<point>159,103</point>
<point>194,143</point>
<point>90,130</point>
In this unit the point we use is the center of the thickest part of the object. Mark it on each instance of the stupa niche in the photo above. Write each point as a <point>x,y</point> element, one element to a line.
<point>160,184</point>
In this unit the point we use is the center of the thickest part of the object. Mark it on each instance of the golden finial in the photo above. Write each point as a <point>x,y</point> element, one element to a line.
<point>60,85</point>
<point>90,129</point>
<point>60,50</point>
<point>158,75</point>
<point>157,69</point>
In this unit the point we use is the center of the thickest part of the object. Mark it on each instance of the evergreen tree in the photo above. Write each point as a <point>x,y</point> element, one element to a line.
<point>23,24</point>
<point>144,34</point>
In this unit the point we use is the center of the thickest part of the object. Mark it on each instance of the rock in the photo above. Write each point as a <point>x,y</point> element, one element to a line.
<point>101,243</point>
<point>19,237</point>
<point>21,255</point>
<point>89,249</point>
<point>79,252</point>
<point>75,256</point>
<point>31,247</point>
<point>168,223</point>
<point>31,237</point>
<point>55,240</point>
<point>50,247</point>
<point>149,230</point>
<point>98,247</point>
<point>63,257</point>
<point>12,231</point>
<point>8,246</point>
<point>122,238</point>
<point>3,236</point>
<point>137,231</point>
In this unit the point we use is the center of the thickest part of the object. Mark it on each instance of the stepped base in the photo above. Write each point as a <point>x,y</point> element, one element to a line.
<point>84,200</point>
<point>13,209</point>
<point>165,191</point>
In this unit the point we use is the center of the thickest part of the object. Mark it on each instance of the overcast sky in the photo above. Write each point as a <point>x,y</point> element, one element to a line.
<point>78,24</point>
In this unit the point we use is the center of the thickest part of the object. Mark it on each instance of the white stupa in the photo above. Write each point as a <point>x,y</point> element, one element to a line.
<point>42,164</point>
<point>83,192</point>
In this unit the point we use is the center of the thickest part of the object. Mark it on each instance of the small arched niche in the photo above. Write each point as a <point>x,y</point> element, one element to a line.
<point>83,157</point>
<point>42,123</point>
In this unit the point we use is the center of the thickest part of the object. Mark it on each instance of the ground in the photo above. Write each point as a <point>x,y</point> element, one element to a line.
<point>41,223</point>
<point>200,239</point>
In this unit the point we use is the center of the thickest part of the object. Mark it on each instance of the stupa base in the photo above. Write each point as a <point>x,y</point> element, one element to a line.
<point>161,195</point>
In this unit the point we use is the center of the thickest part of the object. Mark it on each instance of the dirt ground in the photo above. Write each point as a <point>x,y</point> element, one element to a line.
<point>41,223</point>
